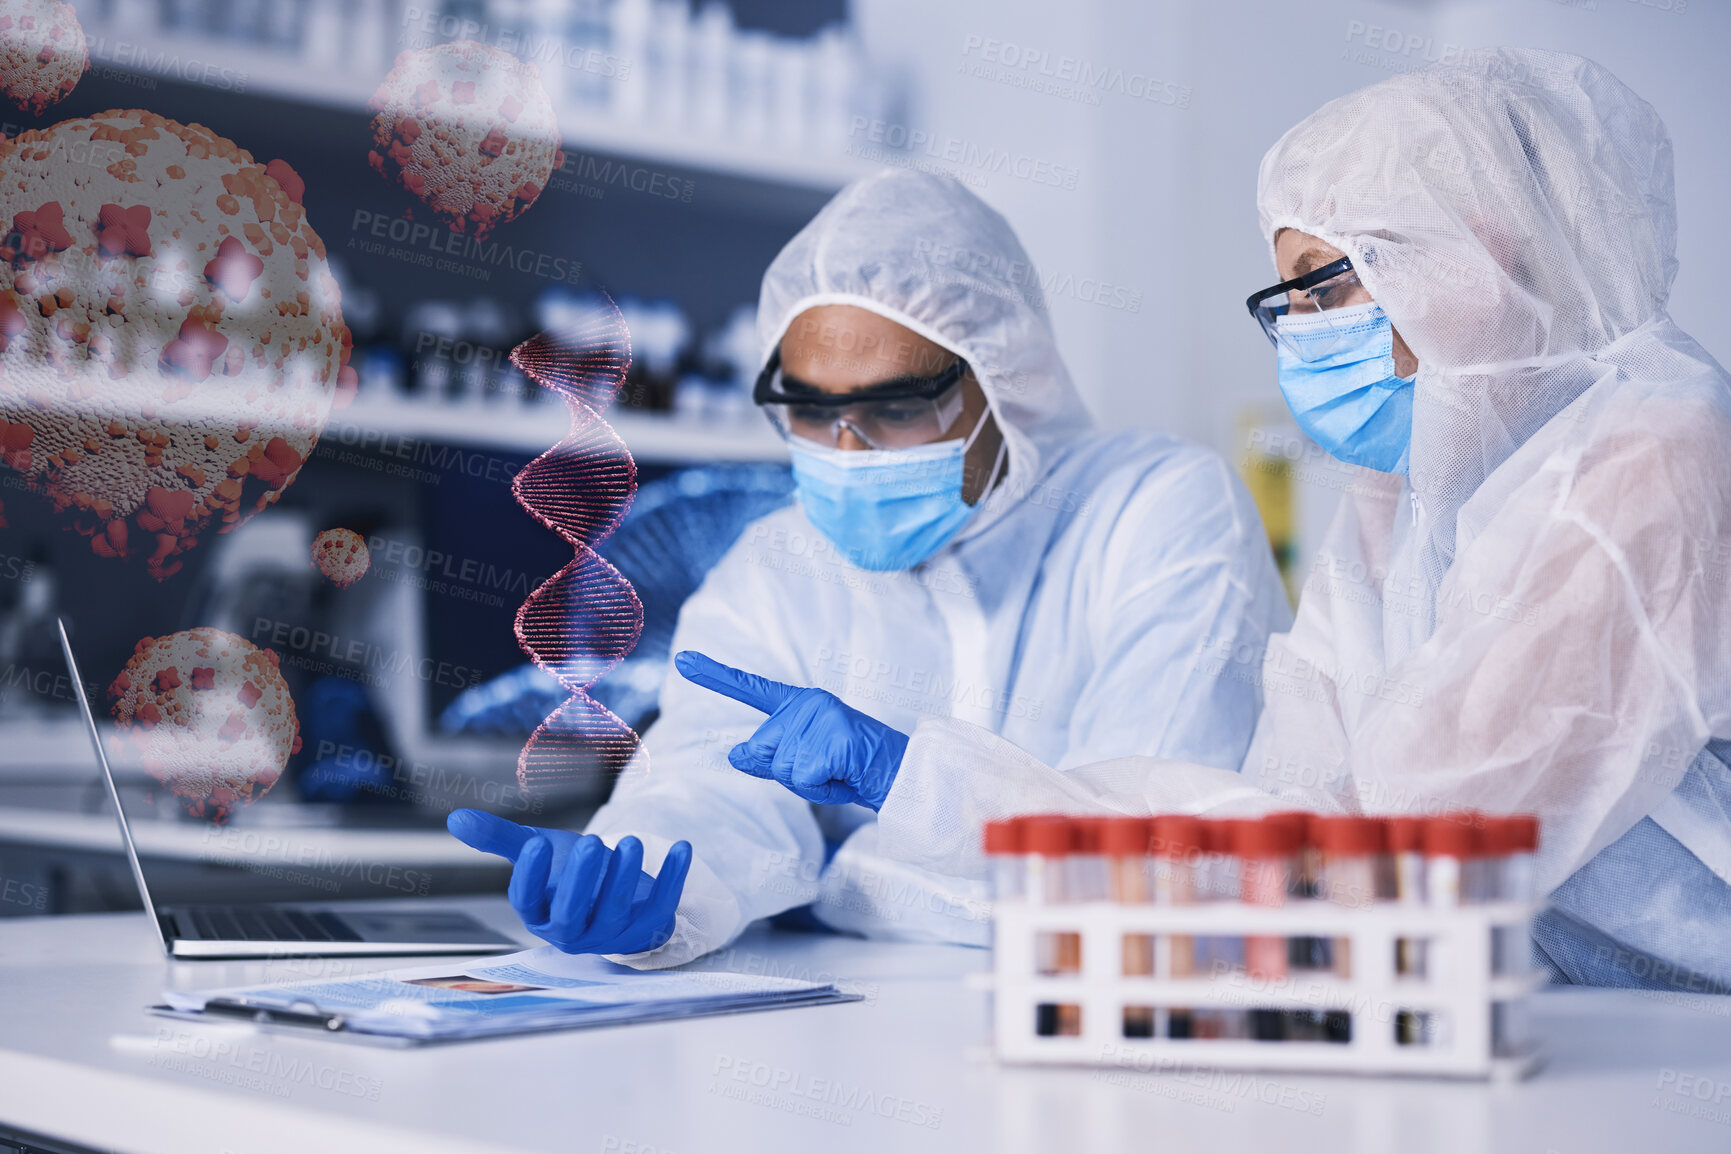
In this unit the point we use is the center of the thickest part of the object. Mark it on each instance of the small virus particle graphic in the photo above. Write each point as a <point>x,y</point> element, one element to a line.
<point>341,555</point>
<point>42,52</point>
<point>208,715</point>
<point>468,129</point>
<point>171,338</point>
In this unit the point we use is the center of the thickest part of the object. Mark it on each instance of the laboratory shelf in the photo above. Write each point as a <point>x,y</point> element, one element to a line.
<point>650,437</point>
<point>287,77</point>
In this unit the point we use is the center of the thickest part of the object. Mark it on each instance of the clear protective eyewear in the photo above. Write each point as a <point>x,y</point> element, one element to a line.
<point>1308,300</point>
<point>899,413</point>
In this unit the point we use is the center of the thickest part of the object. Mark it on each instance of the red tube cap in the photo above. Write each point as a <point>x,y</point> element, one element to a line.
<point>1262,838</point>
<point>1177,835</point>
<point>1048,836</point>
<point>1087,834</point>
<point>1125,836</point>
<point>1348,835</point>
<point>1524,832</point>
<point>1299,821</point>
<point>1452,837</point>
<point>1003,836</point>
<point>1516,833</point>
<point>1216,835</point>
<point>1404,834</point>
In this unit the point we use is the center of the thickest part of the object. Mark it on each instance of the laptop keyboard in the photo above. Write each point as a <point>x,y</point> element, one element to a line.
<point>267,924</point>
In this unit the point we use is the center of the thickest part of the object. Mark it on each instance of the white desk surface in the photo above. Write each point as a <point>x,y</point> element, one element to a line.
<point>81,1061</point>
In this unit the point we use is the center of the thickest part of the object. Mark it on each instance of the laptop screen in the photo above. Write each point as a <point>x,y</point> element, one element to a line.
<point>99,749</point>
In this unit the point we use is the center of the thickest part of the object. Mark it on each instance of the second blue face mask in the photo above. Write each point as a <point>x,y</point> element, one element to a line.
<point>884,509</point>
<point>1347,398</point>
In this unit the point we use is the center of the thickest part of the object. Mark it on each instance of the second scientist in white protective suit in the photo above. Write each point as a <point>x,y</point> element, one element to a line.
<point>1524,601</point>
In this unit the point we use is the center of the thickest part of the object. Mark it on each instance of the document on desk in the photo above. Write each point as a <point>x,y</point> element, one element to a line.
<point>539,989</point>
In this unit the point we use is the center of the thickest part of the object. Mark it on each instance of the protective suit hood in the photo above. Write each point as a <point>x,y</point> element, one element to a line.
<point>1512,211</point>
<point>928,254</point>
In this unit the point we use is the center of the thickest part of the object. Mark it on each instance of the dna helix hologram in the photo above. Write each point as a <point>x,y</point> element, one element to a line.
<point>586,618</point>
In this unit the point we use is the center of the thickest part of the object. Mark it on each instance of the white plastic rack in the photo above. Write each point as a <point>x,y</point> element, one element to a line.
<point>1460,1017</point>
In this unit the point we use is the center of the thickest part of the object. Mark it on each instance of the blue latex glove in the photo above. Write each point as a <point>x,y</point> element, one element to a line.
<point>574,892</point>
<point>821,749</point>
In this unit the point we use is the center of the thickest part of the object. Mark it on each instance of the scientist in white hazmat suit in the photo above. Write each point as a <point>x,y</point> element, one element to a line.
<point>964,546</point>
<point>1524,601</point>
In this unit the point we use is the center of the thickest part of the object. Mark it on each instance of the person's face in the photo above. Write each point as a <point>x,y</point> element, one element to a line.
<point>1296,253</point>
<point>842,349</point>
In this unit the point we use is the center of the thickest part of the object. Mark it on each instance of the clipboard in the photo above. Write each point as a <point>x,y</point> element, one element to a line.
<point>532,992</point>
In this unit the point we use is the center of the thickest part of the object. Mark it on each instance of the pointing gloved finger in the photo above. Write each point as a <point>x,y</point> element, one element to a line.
<point>488,832</point>
<point>574,903</point>
<point>749,688</point>
<point>528,889</point>
<point>613,906</point>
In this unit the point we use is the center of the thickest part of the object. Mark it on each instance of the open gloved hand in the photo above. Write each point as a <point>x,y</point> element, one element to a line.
<point>574,892</point>
<point>819,747</point>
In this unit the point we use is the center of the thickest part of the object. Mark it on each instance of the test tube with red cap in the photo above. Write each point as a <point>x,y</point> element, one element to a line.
<point>1352,850</point>
<point>1177,849</point>
<point>1510,843</point>
<point>1216,881</point>
<point>1304,951</point>
<point>1509,846</point>
<point>1089,872</point>
<point>1267,853</point>
<point>1124,841</point>
<point>1047,843</point>
<point>1307,861</point>
<point>1405,837</point>
<point>1452,853</point>
<point>1004,853</point>
<point>1405,841</point>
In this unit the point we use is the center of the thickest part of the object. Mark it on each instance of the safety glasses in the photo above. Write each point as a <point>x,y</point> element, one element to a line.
<point>1305,302</point>
<point>894,414</point>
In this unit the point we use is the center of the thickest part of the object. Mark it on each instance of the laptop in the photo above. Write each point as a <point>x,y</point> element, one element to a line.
<point>274,930</point>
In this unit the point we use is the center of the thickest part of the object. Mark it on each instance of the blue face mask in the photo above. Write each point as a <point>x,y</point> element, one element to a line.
<point>885,509</point>
<point>1348,399</point>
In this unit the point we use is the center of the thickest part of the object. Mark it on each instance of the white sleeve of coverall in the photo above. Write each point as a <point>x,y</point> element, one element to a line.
<point>1572,632</point>
<point>1185,597</point>
<point>1177,619</point>
<point>957,776</point>
<point>756,847</point>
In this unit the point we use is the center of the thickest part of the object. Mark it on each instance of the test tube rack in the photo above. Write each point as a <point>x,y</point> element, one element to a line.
<point>1460,988</point>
